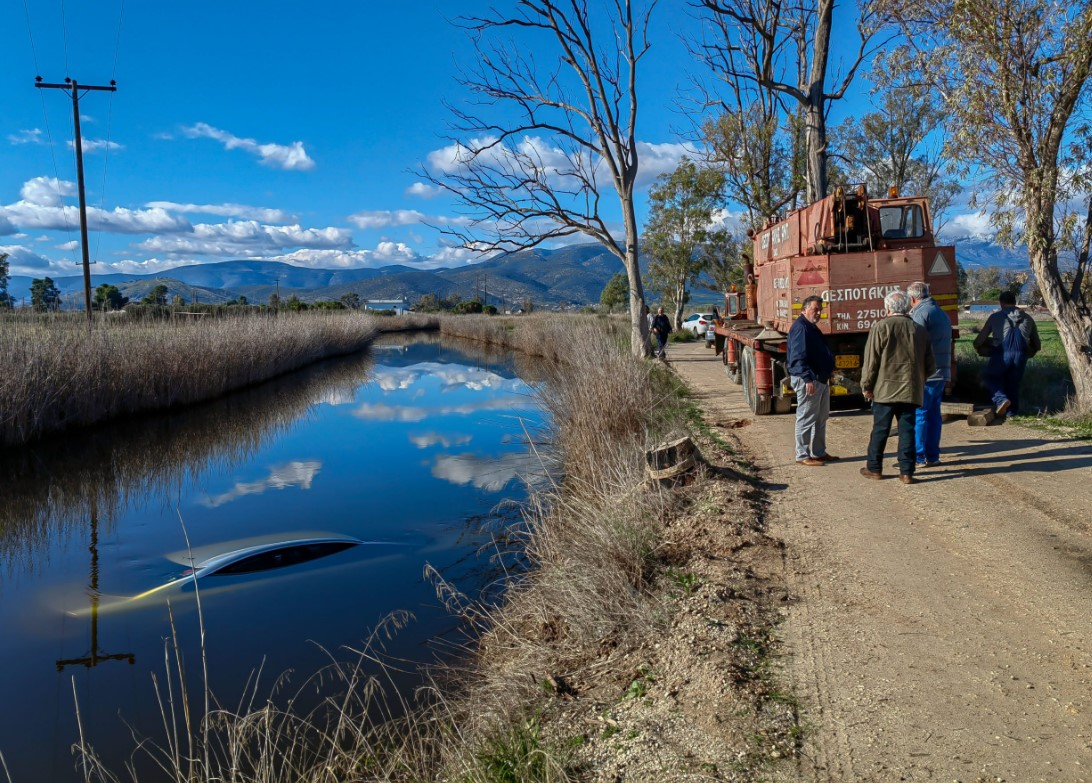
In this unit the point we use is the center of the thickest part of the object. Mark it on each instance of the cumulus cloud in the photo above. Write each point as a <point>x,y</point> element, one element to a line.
<point>555,162</point>
<point>975,225</point>
<point>246,238</point>
<point>384,218</point>
<point>384,254</point>
<point>299,473</point>
<point>262,214</point>
<point>71,245</point>
<point>290,157</point>
<point>31,136</point>
<point>423,190</point>
<point>42,207</point>
<point>24,261</point>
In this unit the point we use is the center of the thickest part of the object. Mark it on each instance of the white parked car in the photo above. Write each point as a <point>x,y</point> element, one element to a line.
<point>698,323</point>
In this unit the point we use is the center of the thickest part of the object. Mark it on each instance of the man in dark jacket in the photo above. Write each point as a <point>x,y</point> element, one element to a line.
<point>898,357</point>
<point>1009,339</point>
<point>811,364</point>
<point>926,312</point>
<point>661,327</point>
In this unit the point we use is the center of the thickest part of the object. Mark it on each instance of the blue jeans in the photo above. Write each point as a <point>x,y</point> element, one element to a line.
<point>927,424</point>
<point>1002,378</point>
<point>882,414</point>
<point>812,412</point>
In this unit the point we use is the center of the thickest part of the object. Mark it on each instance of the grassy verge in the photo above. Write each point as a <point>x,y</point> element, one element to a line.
<point>59,376</point>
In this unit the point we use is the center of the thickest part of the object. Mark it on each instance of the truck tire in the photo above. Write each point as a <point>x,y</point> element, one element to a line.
<point>759,404</point>
<point>731,369</point>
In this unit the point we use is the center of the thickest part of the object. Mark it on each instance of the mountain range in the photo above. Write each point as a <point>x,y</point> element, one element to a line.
<point>565,277</point>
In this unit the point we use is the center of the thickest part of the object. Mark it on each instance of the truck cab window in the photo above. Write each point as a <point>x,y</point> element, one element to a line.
<point>906,221</point>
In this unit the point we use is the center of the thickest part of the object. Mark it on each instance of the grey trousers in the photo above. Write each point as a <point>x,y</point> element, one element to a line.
<point>812,412</point>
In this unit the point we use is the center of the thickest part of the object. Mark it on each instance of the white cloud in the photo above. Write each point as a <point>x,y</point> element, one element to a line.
<point>246,238</point>
<point>384,218</point>
<point>292,474</point>
<point>42,207</point>
<point>975,225</point>
<point>31,136</point>
<point>94,145</point>
<point>7,228</point>
<point>290,157</point>
<point>71,245</point>
<point>423,190</point>
<point>262,214</point>
<point>428,439</point>
<point>24,261</point>
<point>46,191</point>
<point>655,159</point>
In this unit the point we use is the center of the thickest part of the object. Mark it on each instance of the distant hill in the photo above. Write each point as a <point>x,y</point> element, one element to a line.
<point>567,276</point>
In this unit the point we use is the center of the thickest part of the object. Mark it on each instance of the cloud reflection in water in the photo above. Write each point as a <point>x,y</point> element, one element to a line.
<point>298,473</point>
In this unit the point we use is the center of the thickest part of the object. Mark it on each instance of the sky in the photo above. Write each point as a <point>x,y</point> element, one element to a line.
<point>281,132</point>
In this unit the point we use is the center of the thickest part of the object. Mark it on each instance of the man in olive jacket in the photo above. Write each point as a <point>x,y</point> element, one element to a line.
<point>898,357</point>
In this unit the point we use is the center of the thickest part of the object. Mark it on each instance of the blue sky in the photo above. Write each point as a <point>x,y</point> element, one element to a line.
<point>284,132</point>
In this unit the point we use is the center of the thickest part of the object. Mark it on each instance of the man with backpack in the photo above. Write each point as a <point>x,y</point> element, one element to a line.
<point>1008,340</point>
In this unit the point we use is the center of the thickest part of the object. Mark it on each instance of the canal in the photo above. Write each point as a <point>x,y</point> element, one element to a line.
<point>315,502</point>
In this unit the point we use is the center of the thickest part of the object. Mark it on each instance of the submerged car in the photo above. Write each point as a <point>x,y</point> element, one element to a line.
<point>210,566</point>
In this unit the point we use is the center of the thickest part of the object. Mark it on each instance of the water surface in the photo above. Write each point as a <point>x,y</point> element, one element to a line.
<point>402,449</point>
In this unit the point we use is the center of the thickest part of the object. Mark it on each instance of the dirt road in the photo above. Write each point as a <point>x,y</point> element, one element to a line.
<point>940,631</point>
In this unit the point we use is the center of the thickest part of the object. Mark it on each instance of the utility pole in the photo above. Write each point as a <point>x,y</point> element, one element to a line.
<point>73,89</point>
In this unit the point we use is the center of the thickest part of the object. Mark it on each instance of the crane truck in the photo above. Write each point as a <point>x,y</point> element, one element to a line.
<point>849,250</point>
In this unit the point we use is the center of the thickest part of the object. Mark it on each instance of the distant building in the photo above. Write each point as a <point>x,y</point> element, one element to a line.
<point>400,306</point>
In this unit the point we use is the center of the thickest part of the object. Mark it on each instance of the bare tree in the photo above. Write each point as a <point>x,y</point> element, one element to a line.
<point>784,48</point>
<point>553,125</point>
<point>1015,78</point>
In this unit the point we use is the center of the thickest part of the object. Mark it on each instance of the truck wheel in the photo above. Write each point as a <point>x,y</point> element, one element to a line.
<point>733,373</point>
<point>759,404</point>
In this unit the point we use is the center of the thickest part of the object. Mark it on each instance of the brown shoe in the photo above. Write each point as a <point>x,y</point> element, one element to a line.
<point>906,478</point>
<point>869,474</point>
<point>827,458</point>
<point>811,462</point>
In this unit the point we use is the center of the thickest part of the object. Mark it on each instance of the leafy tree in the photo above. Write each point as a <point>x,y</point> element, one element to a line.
<point>44,295</point>
<point>295,305</point>
<point>329,304</point>
<point>897,146</point>
<point>490,309</point>
<point>243,300</point>
<point>722,259</point>
<point>108,297</point>
<point>177,300</point>
<point>275,301</point>
<point>615,292</point>
<point>470,306</point>
<point>428,303</point>
<point>1015,77</point>
<point>568,90</point>
<point>783,50</point>
<point>157,296</point>
<point>351,300</point>
<point>5,276</point>
<point>681,206</point>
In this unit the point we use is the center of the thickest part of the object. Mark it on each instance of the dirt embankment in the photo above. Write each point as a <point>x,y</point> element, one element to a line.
<point>939,631</point>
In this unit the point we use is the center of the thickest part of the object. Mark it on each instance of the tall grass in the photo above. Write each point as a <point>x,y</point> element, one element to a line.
<point>57,375</point>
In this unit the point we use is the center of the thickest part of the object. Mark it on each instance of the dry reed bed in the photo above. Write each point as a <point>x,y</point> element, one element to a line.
<point>58,376</point>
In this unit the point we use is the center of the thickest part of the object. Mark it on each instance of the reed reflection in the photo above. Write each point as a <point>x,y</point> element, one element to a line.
<point>53,487</point>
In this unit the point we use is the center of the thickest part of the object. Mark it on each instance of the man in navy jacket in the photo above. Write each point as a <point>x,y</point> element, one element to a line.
<point>811,364</point>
